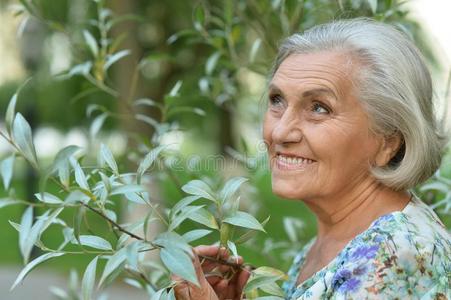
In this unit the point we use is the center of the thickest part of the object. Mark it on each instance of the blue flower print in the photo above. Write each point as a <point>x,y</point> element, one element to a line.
<point>365,251</point>
<point>350,285</point>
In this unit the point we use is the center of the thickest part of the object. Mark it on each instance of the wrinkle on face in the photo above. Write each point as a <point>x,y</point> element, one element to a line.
<point>330,139</point>
<point>337,77</point>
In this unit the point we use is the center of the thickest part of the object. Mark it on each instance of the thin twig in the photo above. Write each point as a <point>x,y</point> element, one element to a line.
<point>227,263</point>
<point>119,227</point>
<point>142,276</point>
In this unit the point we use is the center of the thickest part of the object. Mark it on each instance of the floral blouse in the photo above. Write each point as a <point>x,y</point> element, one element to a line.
<point>402,255</point>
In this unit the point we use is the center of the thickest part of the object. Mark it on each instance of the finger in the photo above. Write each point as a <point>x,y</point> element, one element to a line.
<point>213,280</point>
<point>207,250</point>
<point>242,279</point>
<point>221,289</point>
<point>199,272</point>
<point>207,264</point>
<point>181,291</point>
<point>236,260</point>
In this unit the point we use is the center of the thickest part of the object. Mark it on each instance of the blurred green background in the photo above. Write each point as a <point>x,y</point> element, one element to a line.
<point>220,51</point>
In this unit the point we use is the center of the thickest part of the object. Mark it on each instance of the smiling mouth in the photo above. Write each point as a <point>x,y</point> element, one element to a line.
<point>292,162</point>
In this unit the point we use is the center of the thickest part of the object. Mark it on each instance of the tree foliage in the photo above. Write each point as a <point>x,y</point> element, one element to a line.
<point>92,183</point>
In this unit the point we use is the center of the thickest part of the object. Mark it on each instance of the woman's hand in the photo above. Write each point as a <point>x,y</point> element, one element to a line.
<point>217,281</point>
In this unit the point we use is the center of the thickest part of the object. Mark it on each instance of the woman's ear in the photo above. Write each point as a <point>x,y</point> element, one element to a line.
<point>388,148</point>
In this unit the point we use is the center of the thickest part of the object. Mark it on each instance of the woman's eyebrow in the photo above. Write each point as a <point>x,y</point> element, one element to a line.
<point>274,88</point>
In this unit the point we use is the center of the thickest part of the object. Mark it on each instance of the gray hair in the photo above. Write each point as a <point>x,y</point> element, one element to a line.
<point>394,86</point>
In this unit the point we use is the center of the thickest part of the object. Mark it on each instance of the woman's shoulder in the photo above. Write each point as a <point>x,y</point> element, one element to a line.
<point>402,252</point>
<point>419,228</point>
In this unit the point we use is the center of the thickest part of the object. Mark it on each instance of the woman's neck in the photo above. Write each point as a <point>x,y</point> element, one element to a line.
<point>342,216</point>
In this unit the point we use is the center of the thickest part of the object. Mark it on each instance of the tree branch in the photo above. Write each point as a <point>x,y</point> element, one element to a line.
<point>119,227</point>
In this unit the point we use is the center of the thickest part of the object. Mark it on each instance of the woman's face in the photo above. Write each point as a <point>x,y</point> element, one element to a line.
<point>317,132</point>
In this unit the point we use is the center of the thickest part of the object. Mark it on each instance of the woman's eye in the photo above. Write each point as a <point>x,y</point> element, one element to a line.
<point>275,100</point>
<point>319,108</point>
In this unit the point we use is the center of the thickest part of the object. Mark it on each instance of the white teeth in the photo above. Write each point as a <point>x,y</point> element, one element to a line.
<point>294,160</point>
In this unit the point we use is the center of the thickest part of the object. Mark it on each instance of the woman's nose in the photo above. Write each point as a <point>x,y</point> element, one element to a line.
<point>287,130</point>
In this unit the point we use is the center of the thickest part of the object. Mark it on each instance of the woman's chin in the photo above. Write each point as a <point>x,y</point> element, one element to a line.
<point>287,192</point>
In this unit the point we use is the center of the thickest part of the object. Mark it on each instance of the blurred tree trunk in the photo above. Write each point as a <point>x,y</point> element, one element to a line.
<point>125,74</point>
<point>126,78</point>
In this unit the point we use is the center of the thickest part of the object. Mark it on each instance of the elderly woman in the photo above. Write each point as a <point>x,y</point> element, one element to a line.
<point>350,128</point>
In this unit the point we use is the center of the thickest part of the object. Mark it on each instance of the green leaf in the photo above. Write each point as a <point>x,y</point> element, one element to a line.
<point>183,203</point>
<point>187,211</point>
<point>270,271</point>
<point>64,174</point>
<point>173,241</point>
<point>195,234</point>
<point>231,186</point>
<point>250,234</point>
<point>61,163</point>
<point>243,219</point>
<point>254,49</point>
<point>15,225</point>
<point>199,17</point>
<point>137,198</point>
<point>114,262</point>
<point>436,185</point>
<point>373,5</point>
<point>132,253</point>
<point>259,281</point>
<point>106,182</point>
<point>109,158</point>
<point>68,234</point>
<point>47,221</point>
<point>148,102</point>
<point>88,281</point>
<point>273,288</point>
<point>111,214</point>
<point>94,242</point>
<point>25,228</point>
<point>23,138</point>
<point>48,198</point>
<point>199,188</point>
<point>157,295</point>
<point>59,292</point>
<point>148,120</point>
<point>175,90</point>
<point>10,111</point>
<point>76,196</point>
<point>181,109</point>
<point>80,176</point>
<point>6,170</point>
<point>204,85</point>
<point>212,62</point>
<point>148,160</point>
<point>112,59</point>
<point>181,34</point>
<point>91,42</point>
<point>179,263</point>
<point>232,248</point>
<point>97,125</point>
<point>204,217</point>
<point>81,69</point>
<point>35,232</point>
<point>33,264</point>
<point>95,107</point>
<point>292,227</point>
<point>5,202</point>
<point>62,157</point>
<point>127,188</point>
